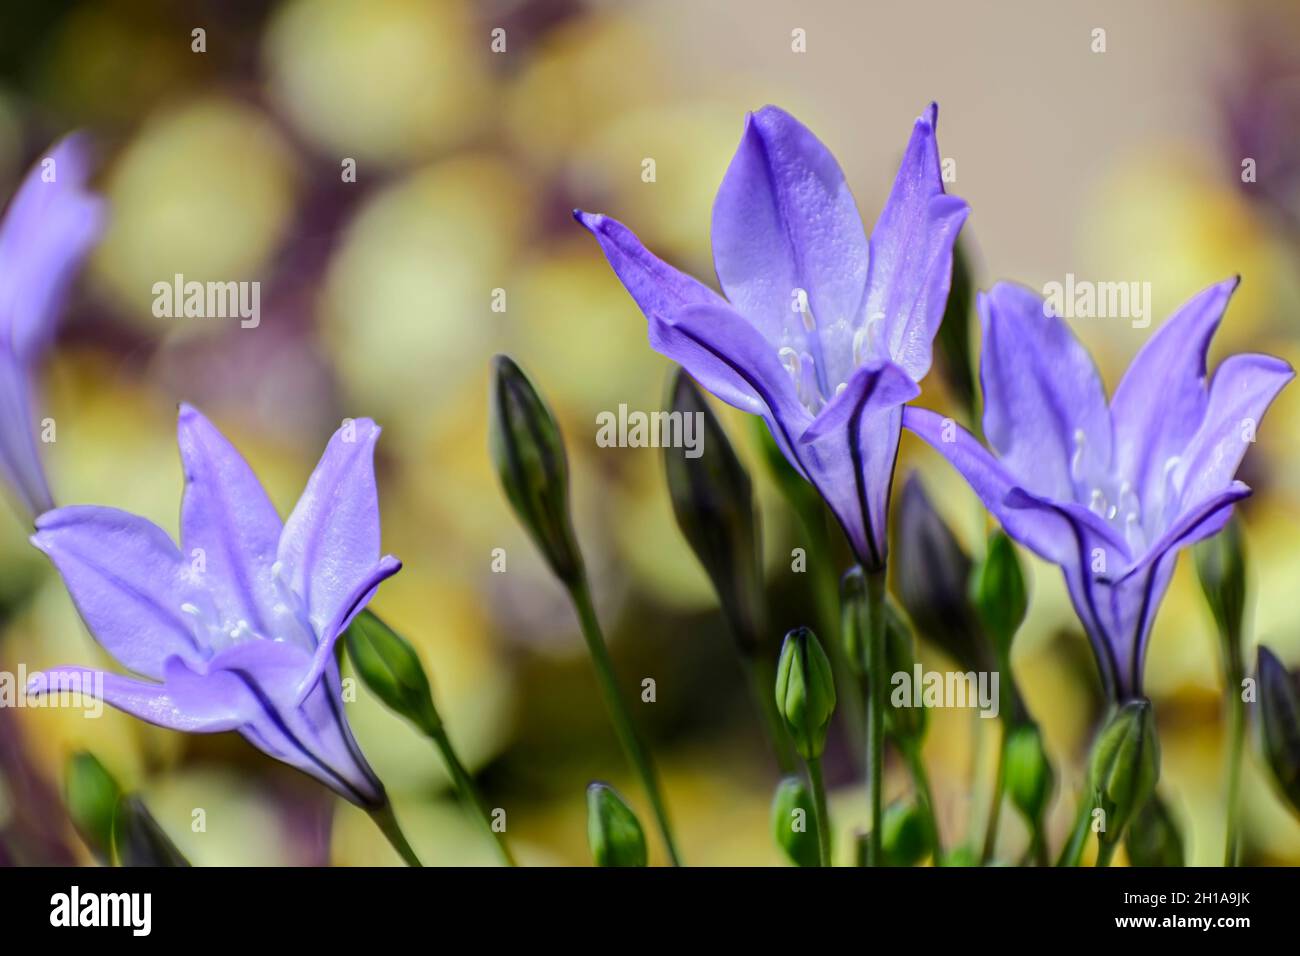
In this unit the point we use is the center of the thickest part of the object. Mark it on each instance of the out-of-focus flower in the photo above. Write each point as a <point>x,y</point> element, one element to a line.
<point>823,334</point>
<point>1110,493</point>
<point>794,821</point>
<point>47,231</point>
<point>1279,708</point>
<point>236,629</point>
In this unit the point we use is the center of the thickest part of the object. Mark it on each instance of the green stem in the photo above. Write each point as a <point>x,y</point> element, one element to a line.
<point>468,791</point>
<point>876,713</point>
<point>826,599</point>
<point>823,818</point>
<point>916,765</point>
<point>762,678</point>
<point>995,807</point>
<point>633,747</point>
<point>1072,852</point>
<point>386,820</point>
<point>1105,850</point>
<point>1233,675</point>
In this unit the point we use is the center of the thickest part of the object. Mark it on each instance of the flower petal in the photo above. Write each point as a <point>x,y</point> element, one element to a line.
<point>784,221</point>
<point>47,232</point>
<point>330,542</point>
<point>1243,388</point>
<point>312,735</point>
<point>185,701</point>
<point>729,358</point>
<point>911,253</point>
<point>226,515</point>
<point>657,287</point>
<point>1162,398</point>
<point>1040,390</point>
<point>363,589</point>
<point>128,581</point>
<point>20,457</point>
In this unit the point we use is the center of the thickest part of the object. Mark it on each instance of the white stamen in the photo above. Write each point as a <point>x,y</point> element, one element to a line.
<point>1097,502</point>
<point>809,323</point>
<point>1076,460</point>
<point>790,359</point>
<point>841,387</point>
<point>859,342</point>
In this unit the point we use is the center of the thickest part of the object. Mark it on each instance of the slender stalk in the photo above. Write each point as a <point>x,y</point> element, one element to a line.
<point>1105,850</point>
<point>995,805</point>
<point>1232,677</point>
<point>386,820</point>
<point>469,792</point>
<point>1072,852</point>
<point>876,714</point>
<point>823,818</point>
<point>762,678</point>
<point>633,747</point>
<point>921,780</point>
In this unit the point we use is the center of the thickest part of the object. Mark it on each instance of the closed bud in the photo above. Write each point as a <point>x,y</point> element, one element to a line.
<point>905,723</point>
<point>615,835</point>
<point>805,691</point>
<point>794,823</point>
<point>905,834</point>
<point>388,664</point>
<point>1154,838</point>
<point>998,591</point>
<point>932,573</point>
<point>92,796</point>
<point>1028,774</point>
<point>855,624</point>
<point>1125,765</point>
<point>138,840</point>
<point>713,501</point>
<point>1279,719</point>
<point>528,453</point>
<point>953,353</point>
<point>1221,568</point>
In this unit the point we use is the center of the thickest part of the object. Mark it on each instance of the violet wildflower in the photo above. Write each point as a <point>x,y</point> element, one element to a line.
<point>1109,492</point>
<point>235,630</point>
<point>49,227</point>
<point>822,333</point>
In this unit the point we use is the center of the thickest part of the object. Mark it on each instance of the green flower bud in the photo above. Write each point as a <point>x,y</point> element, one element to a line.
<point>1125,765</point>
<point>998,591</point>
<point>1221,567</point>
<point>905,834</point>
<point>953,353</point>
<point>615,836</point>
<point>388,664</point>
<point>528,452</point>
<point>904,723</point>
<point>855,624</point>
<point>1153,838</point>
<point>1279,720</point>
<point>138,840</point>
<point>92,796</point>
<point>1028,774</point>
<point>794,822</point>
<point>932,572</point>
<point>713,501</point>
<point>805,691</point>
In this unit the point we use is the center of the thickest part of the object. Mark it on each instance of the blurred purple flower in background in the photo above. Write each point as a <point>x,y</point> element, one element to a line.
<point>1109,493</point>
<point>47,231</point>
<point>235,630</point>
<point>822,333</point>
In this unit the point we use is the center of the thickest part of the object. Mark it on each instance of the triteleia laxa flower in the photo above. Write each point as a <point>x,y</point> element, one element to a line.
<point>48,229</point>
<point>235,629</point>
<point>823,332</point>
<point>1110,492</point>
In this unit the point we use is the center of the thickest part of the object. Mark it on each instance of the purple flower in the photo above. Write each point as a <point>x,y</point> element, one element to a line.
<point>1110,493</point>
<point>47,231</point>
<point>234,630</point>
<point>823,333</point>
